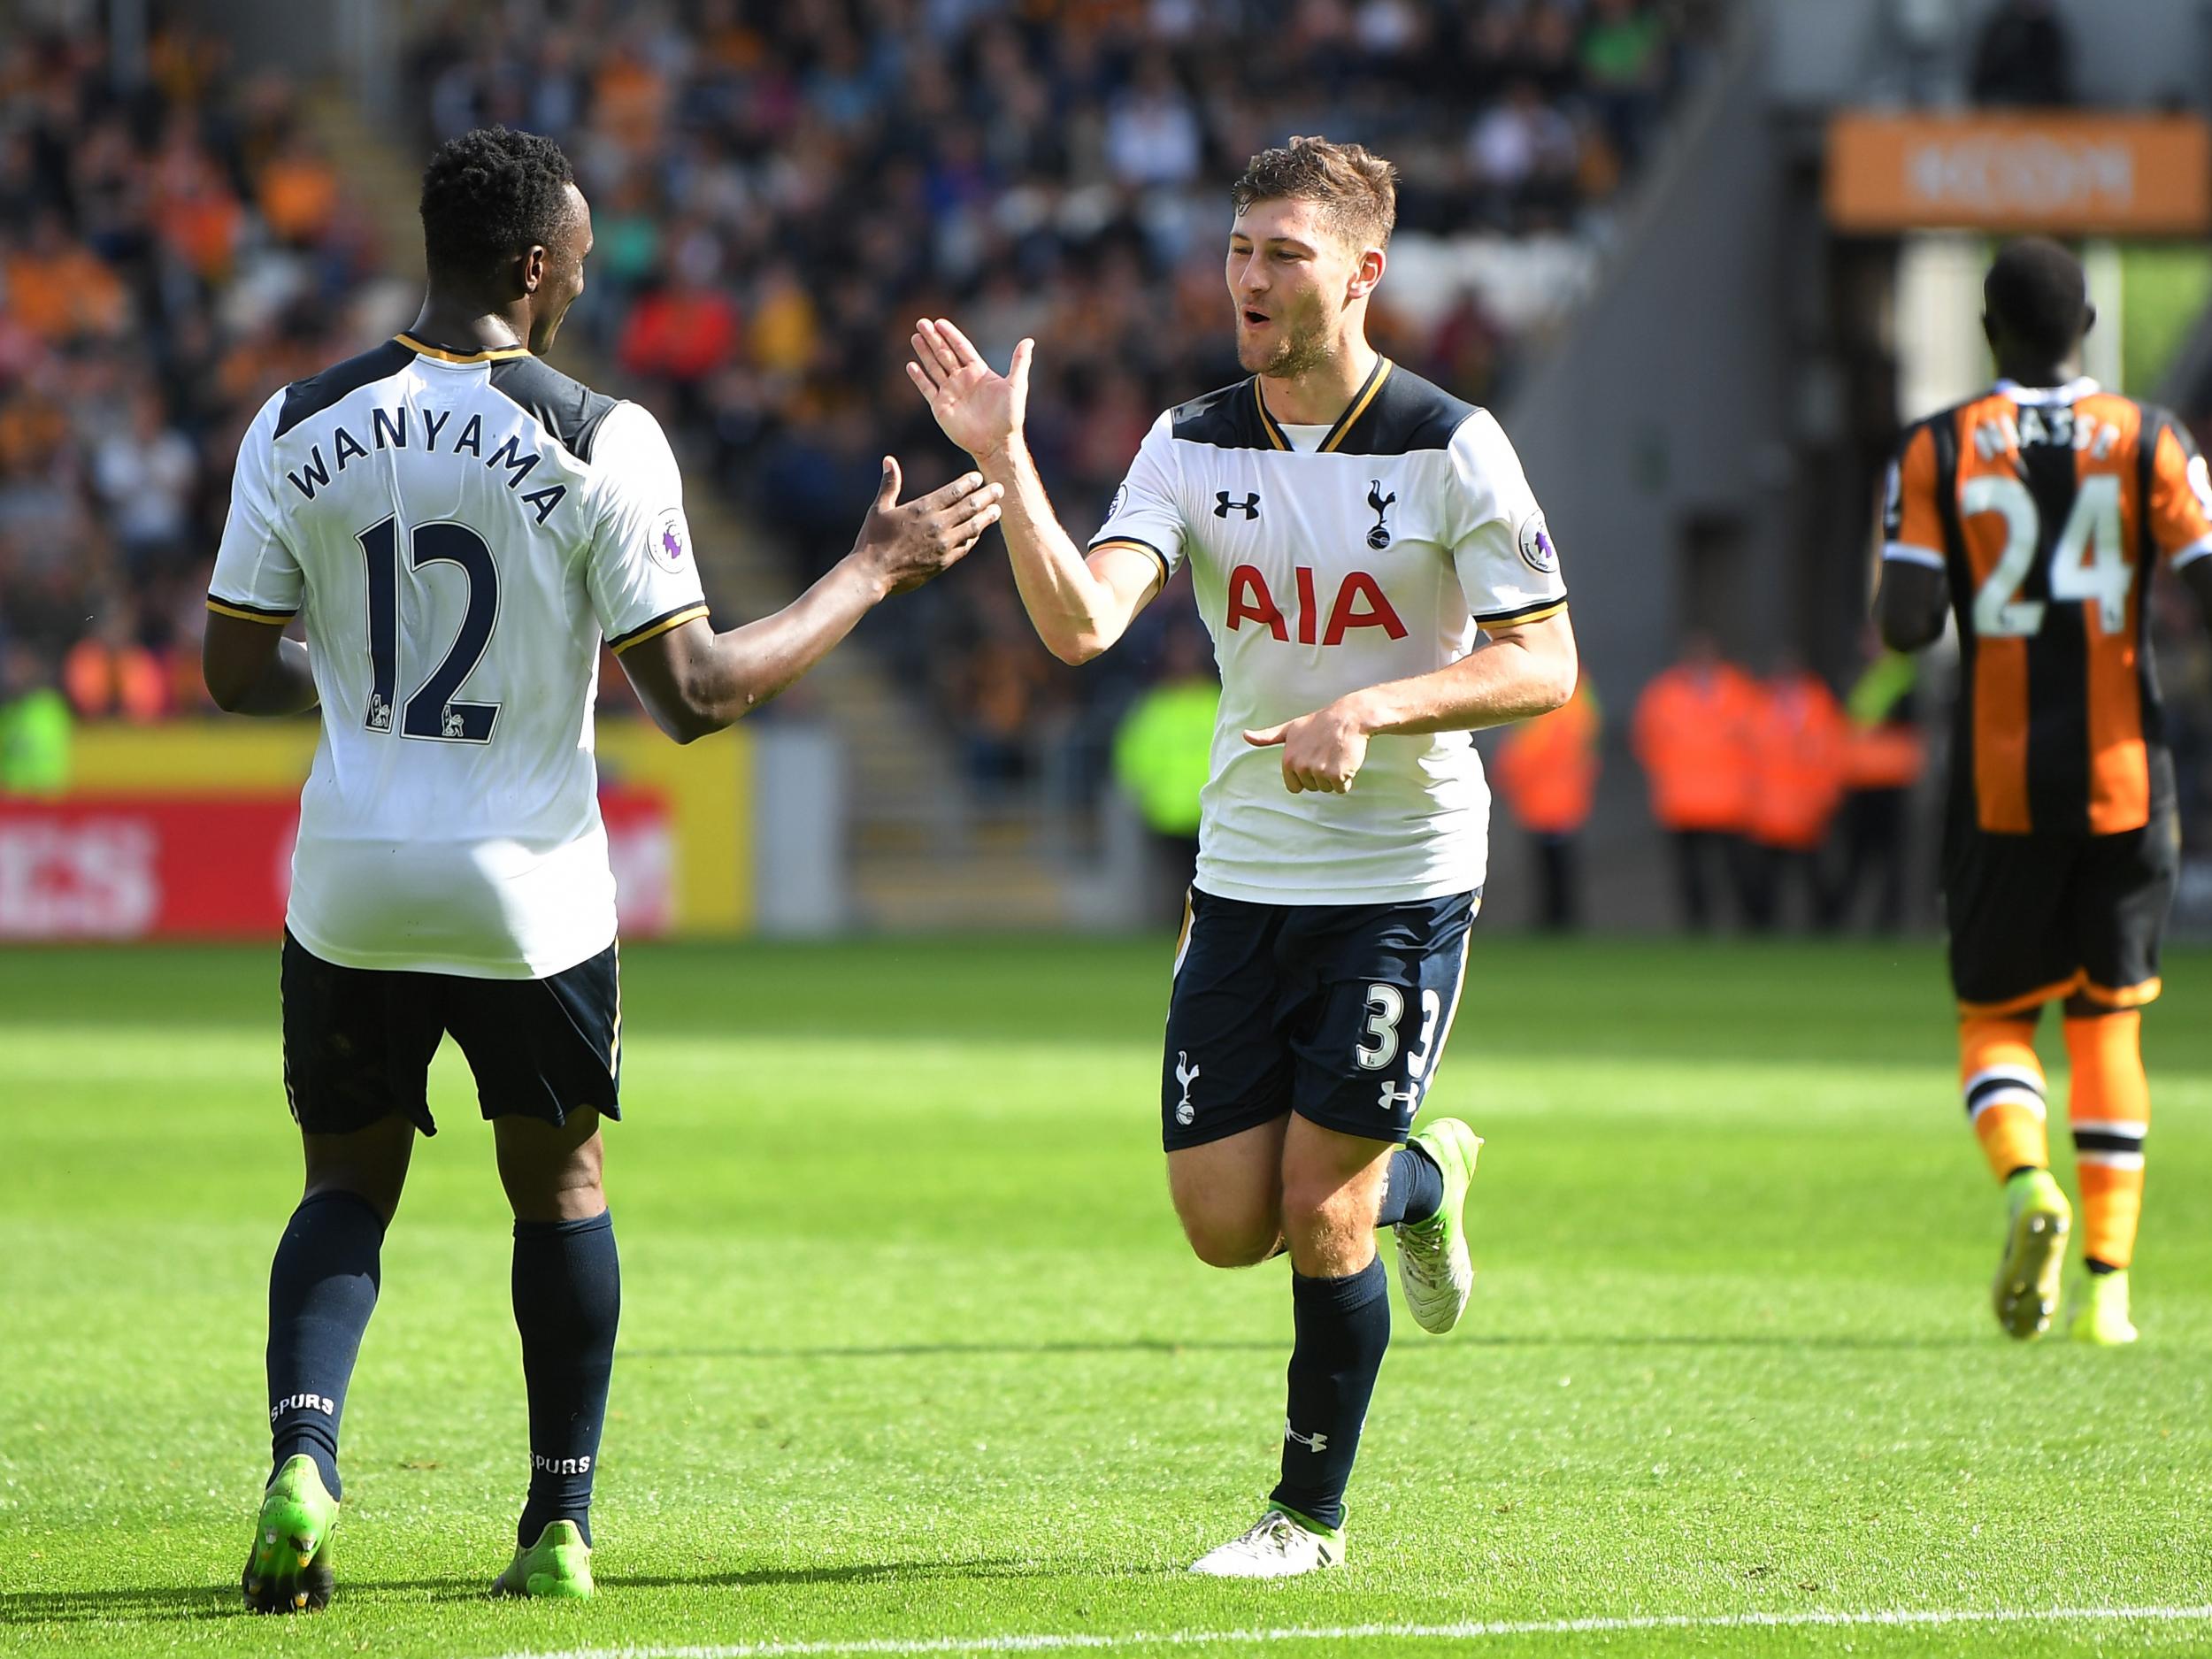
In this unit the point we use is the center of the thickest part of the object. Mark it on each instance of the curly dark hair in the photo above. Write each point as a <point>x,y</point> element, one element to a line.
<point>490,194</point>
<point>1355,189</point>
<point>2036,291</point>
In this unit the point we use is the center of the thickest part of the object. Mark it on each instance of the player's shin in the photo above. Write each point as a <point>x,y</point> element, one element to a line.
<point>2002,1083</point>
<point>322,1289</point>
<point>568,1301</point>
<point>1342,1328</point>
<point>2110,1106</point>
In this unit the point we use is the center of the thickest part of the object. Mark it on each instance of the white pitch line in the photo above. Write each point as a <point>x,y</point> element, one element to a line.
<point>1048,1641</point>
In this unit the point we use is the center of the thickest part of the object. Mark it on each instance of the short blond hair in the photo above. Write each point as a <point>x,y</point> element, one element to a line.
<point>1355,189</point>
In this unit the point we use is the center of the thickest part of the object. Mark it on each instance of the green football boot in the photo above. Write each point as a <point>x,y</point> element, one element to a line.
<point>1434,1269</point>
<point>2101,1311</point>
<point>2038,1220</point>
<point>291,1568</point>
<point>558,1564</point>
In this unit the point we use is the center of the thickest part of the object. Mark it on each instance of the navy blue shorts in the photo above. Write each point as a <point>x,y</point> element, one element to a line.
<point>358,1041</point>
<point>1338,1012</point>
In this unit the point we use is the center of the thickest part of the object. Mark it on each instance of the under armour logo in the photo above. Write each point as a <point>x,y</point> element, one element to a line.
<point>1223,506</point>
<point>1393,1097</point>
<point>1379,538</point>
<point>1311,1442</point>
<point>1186,1074</point>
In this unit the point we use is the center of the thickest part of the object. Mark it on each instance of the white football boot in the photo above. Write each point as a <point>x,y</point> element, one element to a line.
<point>1279,1548</point>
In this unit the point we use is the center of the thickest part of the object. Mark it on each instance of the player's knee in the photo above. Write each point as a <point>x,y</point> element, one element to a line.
<point>1322,1206</point>
<point>1221,1241</point>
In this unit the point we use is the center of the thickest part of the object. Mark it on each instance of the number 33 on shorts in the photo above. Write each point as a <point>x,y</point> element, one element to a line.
<point>1385,1011</point>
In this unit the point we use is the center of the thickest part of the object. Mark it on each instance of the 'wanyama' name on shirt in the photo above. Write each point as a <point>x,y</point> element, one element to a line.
<point>389,429</point>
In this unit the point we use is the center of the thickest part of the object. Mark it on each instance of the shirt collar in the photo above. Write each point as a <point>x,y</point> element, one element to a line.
<point>2072,392</point>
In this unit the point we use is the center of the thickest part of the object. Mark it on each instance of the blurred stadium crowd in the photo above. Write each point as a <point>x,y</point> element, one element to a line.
<point>779,189</point>
<point>170,253</point>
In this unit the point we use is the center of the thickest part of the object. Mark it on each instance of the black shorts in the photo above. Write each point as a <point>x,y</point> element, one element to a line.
<point>2034,918</point>
<point>1338,1012</point>
<point>358,1041</point>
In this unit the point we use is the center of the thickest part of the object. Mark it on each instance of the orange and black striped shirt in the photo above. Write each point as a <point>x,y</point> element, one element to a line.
<point>2046,508</point>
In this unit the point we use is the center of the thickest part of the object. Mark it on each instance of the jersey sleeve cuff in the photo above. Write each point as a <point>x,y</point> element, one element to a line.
<point>1103,543</point>
<point>2191,554</point>
<point>245,612</point>
<point>658,626</point>
<point>1906,553</point>
<point>1534,611</point>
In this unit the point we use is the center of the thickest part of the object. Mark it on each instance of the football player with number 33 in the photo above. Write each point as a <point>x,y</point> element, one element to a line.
<point>1353,535</point>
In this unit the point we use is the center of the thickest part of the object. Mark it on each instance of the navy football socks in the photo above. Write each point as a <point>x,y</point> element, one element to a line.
<point>568,1299</point>
<point>1343,1326</point>
<point>322,1289</point>
<point>1414,1190</point>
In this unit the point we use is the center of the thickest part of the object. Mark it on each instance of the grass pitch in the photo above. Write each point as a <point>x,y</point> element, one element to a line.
<point>913,1356</point>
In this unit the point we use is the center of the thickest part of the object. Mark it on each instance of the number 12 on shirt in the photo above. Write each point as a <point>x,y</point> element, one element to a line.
<point>431,712</point>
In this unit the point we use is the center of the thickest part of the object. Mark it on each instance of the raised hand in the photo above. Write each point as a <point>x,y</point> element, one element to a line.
<point>906,543</point>
<point>981,411</point>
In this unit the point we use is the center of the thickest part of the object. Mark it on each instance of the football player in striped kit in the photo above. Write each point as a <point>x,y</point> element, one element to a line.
<point>2035,512</point>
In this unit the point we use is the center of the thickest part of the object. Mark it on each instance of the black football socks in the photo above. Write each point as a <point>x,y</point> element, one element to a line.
<point>568,1299</point>
<point>1414,1188</point>
<point>322,1289</point>
<point>1343,1326</point>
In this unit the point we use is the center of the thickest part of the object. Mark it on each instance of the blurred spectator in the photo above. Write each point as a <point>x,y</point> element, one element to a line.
<point>1884,758</point>
<point>108,672</point>
<point>1164,756</point>
<point>1547,771</point>
<point>34,728</point>
<point>145,474</point>
<point>1624,56</point>
<point>1692,734</point>
<point>2024,57</point>
<point>1797,734</point>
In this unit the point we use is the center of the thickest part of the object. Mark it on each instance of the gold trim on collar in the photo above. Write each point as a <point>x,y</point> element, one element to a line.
<point>1345,421</point>
<point>1267,421</point>
<point>491,354</point>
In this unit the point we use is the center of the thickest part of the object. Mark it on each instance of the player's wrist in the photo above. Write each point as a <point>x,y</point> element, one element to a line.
<point>1360,712</point>
<point>871,567</point>
<point>1006,454</point>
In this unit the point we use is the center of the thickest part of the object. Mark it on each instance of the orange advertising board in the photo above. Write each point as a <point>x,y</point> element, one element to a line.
<point>2143,175</point>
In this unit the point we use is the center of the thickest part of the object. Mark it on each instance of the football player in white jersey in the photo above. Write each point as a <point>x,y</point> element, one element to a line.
<point>1379,582</point>
<point>459,526</point>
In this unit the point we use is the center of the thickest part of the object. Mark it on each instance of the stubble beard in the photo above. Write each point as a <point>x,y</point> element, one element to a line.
<point>1304,347</point>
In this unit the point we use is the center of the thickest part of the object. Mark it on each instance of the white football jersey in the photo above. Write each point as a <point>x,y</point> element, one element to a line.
<point>1370,551</point>
<point>460,532</point>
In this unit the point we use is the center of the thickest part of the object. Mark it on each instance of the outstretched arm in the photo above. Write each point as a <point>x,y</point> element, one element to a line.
<point>1078,605</point>
<point>693,681</point>
<point>1519,671</point>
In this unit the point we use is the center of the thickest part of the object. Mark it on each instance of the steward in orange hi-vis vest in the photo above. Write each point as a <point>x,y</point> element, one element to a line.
<point>2037,514</point>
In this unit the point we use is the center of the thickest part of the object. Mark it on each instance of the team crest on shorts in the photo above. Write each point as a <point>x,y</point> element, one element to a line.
<point>670,543</point>
<point>1535,542</point>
